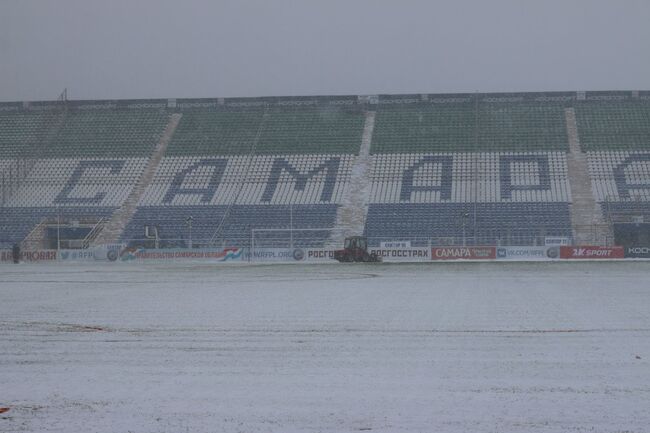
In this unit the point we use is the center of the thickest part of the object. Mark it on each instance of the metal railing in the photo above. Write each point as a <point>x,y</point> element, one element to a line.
<point>92,235</point>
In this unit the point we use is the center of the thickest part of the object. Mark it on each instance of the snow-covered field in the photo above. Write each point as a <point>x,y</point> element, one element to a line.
<point>473,347</point>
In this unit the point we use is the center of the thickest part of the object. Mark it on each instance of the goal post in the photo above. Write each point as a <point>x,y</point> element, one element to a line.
<point>288,240</point>
<point>291,238</point>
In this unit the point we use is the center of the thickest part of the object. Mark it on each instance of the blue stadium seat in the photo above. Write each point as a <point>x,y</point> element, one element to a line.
<point>17,222</point>
<point>477,224</point>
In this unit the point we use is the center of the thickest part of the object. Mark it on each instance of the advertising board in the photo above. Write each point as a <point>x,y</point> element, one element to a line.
<point>275,255</point>
<point>556,241</point>
<point>29,256</point>
<point>412,254</point>
<point>395,244</point>
<point>463,253</point>
<point>84,255</point>
<point>408,254</point>
<point>327,254</point>
<point>591,252</point>
<point>637,252</point>
<point>528,253</point>
<point>173,254</point>
<point>110,252</point>
<point>315,255</point>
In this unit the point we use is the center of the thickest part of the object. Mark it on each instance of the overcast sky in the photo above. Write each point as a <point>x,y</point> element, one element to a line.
<point>110,49</point>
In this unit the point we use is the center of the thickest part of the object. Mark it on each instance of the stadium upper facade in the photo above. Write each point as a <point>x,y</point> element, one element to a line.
<point>510,169</point>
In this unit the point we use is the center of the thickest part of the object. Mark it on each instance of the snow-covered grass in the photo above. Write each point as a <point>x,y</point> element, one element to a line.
<point>460,347</point>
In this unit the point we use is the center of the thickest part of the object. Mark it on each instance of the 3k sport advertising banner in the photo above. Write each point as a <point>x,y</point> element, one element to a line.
<point>592,252</point>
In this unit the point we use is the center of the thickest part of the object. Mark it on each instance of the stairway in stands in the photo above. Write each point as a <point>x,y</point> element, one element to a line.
<point>351,214</point>
<point>114,228</point>
<point>587,220</point>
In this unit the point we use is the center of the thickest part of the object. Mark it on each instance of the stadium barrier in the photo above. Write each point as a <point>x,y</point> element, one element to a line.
<point>120,253</point>
<point>406,254</point>
<point>325,255</point>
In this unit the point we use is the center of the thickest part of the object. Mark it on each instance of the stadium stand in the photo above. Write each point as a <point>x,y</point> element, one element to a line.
<point>16,223</point>
<point>328,130</point>
<point>21,133</point>
<point>426,224</point>
<point>615,134</point>
<point>82,162</point>
<point>240,219</point>
<point>237,169</point>
<point>107,134</point>
<point>470,126</point>
<point>614,125</point>
<point>500,159</point>
<point>456,168</point>
<point>209,132</point>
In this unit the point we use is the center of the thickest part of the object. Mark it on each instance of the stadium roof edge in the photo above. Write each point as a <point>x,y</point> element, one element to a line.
<point>343,100</point>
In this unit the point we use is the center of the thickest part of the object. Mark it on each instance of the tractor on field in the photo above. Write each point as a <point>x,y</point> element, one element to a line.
<point>355,249</point>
